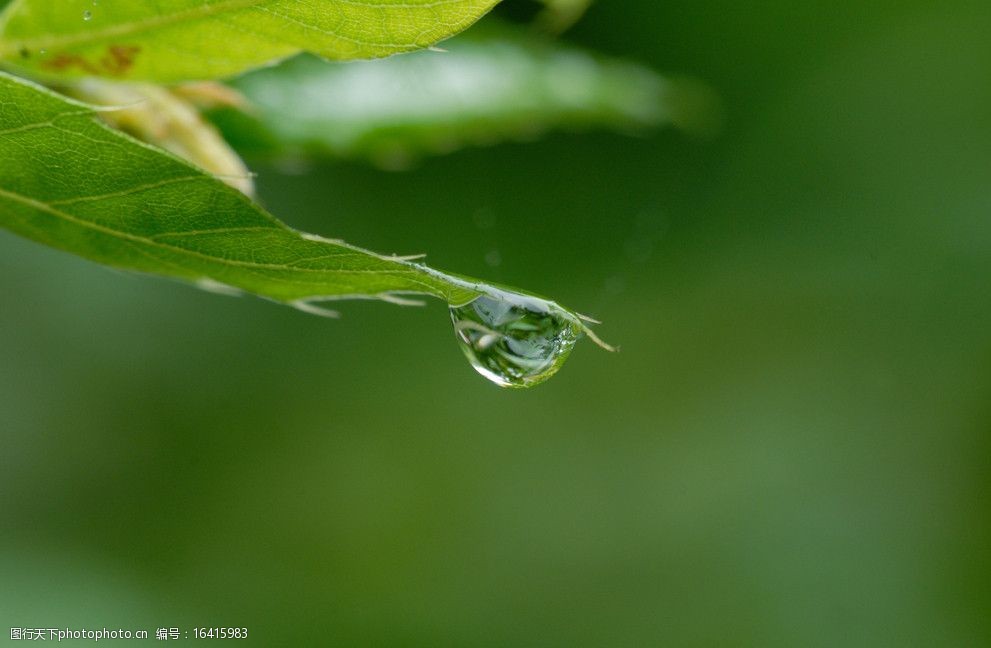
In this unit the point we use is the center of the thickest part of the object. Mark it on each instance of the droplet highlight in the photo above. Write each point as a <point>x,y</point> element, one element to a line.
<point>515,340</point>
<point>87,15</point>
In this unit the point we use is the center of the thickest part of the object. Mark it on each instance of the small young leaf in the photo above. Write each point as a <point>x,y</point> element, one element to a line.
<point>176,40</point>
<point>161,117</point>
<point>491,84</point>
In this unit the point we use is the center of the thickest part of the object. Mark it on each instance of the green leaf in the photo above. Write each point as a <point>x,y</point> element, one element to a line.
<point>69,181</point>
<point>491,84</point>
<point>158,116</point>
<point>174,40</point>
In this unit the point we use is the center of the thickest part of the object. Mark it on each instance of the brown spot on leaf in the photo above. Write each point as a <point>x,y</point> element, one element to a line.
<point>63,62</point>
<point>120,59</point>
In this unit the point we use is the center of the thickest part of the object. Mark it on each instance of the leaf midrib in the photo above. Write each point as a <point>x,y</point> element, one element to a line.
<point>134,238</point>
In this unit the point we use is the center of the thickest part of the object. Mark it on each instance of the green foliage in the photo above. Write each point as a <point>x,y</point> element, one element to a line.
<point>174,40</point>
<point>489,85</point>
<point>794,450</point>
<point>68,181</point>
<point>177,202</point>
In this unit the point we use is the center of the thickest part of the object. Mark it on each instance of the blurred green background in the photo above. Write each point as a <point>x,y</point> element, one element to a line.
<point>791,449</point>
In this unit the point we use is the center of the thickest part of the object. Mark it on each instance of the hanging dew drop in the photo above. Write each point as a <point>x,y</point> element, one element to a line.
<point>515,340</point>
<point>87,15</point>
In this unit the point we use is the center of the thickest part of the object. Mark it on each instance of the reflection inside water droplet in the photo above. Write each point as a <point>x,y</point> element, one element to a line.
<point>87,15</point>
<point>515,340</point>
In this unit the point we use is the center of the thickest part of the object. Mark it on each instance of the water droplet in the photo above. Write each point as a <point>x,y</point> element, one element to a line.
<point>87,15</point>
<point>515,340</point>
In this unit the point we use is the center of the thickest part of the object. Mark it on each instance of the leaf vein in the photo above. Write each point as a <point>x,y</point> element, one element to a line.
<point>134,238</point>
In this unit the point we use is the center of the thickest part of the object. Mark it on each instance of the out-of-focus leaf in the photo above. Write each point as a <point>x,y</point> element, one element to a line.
<point>488,86</point>
<point>69,181</point>
<point>174,40</point>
